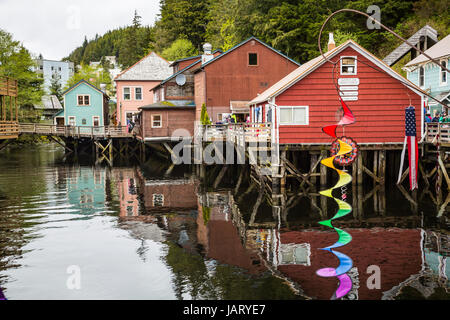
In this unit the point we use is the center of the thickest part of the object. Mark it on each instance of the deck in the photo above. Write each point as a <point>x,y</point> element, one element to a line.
<point>9,130</point>
<point>239,133</point>
<point>76,131</point>
<point>436,132</point>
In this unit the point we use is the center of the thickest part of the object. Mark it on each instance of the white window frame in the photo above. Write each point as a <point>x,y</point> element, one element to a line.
<point>155,196</point>
<point>93,120</point>
<point>442,71</point>
<point>142,94</point>
<point>292,123</point>
<point>356,66</point>
<point>160,117</point>
<point>418,76</point>
<point>123,93</point>
<point>74,120</point>
<point>83,95</point>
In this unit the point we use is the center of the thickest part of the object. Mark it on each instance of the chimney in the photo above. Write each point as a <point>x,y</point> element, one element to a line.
<point>207,53</point>
<point>331,43</point>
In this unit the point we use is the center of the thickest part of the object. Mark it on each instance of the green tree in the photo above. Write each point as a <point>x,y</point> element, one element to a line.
<point>94,75</point>
<point>56,87</point>
<point>16,62</point>
<point>181,18</point>
<point>179,49</point>
<point>204,117</point>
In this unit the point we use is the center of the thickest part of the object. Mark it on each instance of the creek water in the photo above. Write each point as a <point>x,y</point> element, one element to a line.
<point>76,230</point>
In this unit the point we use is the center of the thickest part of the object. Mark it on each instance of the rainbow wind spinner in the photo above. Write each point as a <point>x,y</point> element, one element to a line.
<point>345,152</point>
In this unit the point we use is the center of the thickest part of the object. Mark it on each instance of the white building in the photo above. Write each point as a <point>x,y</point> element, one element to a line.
<point>61,70</point>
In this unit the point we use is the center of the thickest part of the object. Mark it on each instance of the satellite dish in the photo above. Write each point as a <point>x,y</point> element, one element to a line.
<point>180,79</point>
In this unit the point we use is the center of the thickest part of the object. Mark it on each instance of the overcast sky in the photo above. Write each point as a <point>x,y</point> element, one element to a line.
<point>55,28</point>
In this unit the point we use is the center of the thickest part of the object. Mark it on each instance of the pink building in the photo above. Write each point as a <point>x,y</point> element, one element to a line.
<point>134,85</point>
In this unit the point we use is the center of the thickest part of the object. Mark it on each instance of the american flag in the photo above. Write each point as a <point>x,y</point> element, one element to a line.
<point>413,150</point>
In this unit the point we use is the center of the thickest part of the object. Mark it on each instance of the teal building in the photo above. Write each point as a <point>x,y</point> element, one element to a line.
<point>430,77</point>
<point>84,105</point>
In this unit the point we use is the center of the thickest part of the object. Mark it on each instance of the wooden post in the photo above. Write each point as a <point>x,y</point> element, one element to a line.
<point>323,169</point>
<point>314,157</point>
<point>382,174</point>
<point>360,168</point>
<point>283,172</point>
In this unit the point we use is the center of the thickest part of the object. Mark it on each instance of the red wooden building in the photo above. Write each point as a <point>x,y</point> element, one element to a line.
<point>236,76</point>
<point>307,99</point>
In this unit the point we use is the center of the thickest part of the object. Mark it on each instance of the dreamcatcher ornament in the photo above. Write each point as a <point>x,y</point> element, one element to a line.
<point>344,151</point>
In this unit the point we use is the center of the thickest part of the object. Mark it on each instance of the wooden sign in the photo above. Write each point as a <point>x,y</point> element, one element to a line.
<point>348,93</point>
<point>348,88</point>
<point>350,98</point>
<point>348,81</point>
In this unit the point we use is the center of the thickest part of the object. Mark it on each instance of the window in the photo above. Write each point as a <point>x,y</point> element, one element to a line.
<point>294,115</point>
<point>72,121</point>
<point>252,59</point>
<point>126,93</point>
<point>421,77</point>
<point>156,121</point>
<point>83,121</point>
<point>158,200</point>
<point>83,99</point>
<point>443,72</point>
<point>348,65</point>
<point>96,121</point>
<point>138,93</point>
<point>59,68</point>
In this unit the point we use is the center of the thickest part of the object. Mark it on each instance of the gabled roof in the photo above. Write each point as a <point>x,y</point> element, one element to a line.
<point>244,42</point>
<point>404,48</point>
<point>86,82</point>
<point>152,67</point>
<point>313,64</point>
<point>440,49</point>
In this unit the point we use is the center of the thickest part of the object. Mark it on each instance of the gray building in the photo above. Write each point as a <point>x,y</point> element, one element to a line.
<point>61,70</point>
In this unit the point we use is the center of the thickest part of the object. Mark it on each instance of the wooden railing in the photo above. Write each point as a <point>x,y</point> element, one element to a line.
<point>8,129</point>
<point>75,131</point>
<point>437,132</point>
<point>237,133</point>
<point>8,87</point>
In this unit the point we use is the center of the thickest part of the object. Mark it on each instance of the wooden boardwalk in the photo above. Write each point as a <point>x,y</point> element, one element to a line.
<point>101,132</point>
<point>239,133</point>
<point>437,132</point>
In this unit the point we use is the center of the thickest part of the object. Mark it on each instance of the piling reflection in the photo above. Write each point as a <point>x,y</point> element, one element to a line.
<point>218,232</point>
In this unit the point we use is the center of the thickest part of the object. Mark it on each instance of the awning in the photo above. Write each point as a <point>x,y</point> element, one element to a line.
<point>239,107</point>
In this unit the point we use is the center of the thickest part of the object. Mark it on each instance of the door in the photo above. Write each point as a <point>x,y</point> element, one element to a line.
<point>96,121</point>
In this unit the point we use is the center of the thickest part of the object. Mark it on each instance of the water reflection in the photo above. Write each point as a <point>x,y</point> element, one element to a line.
<point>152,233</point>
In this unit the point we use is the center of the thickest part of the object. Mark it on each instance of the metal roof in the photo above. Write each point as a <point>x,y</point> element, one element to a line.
<point>439,50</point>
<point>170,104</point>
<point>150,68</point>
<point>404,48</point>
<point>49,103</point>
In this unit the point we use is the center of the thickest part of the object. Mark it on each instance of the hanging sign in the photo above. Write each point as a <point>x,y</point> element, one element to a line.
<point>348,81</point>
<point>349,93</point>
<point>348,88</point>
<point>349,98</point>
